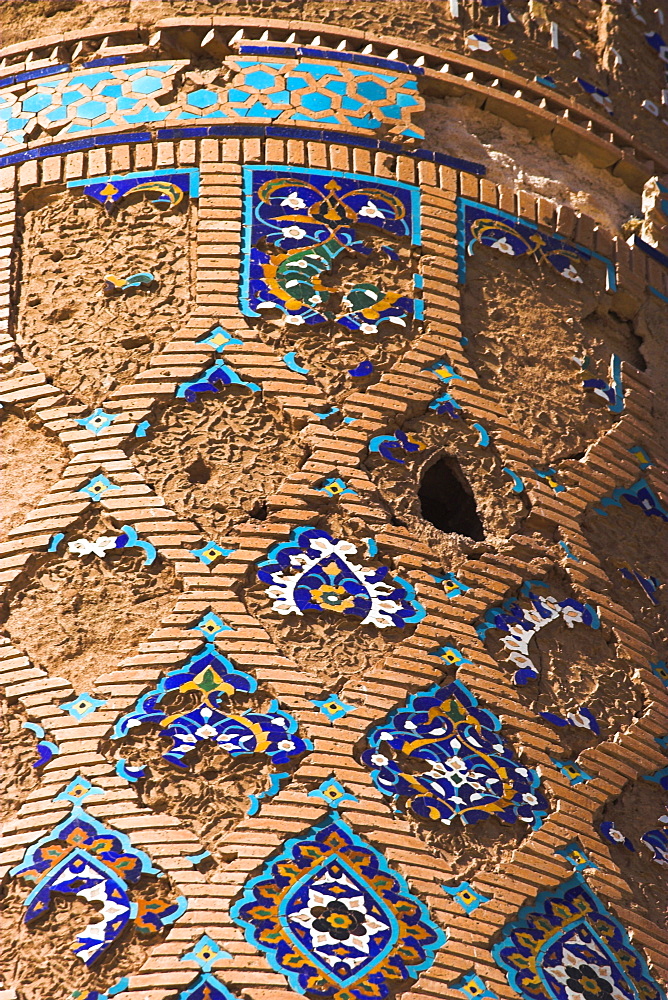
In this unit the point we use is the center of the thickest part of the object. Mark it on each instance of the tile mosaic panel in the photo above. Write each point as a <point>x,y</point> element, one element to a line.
<point>487,226</point>
<point>275,90</point>
<point>212,677</point>
<point>82,857</point>
<point>322,577</point>
<point>168,187</point>
<point>328,911</point>
<point>568,946</point>
<point>331,915</point>
<point>442,754</point>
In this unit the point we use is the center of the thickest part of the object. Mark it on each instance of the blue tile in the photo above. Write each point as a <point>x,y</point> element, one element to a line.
<point>346,139</point>
<point>288,51</point>
<point>107,61</point>
<point>194,132</point>
<point>123,137</point>
<point>660,258</point>
<point>333,55</point>
<point>287,132</point>
<point>390,147</point>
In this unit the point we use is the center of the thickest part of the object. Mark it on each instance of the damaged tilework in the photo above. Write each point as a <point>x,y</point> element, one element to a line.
<point>567,944</point>
<point>611,391</point>
<point>286,90</point>
<point>486,226</point>
<point>657,841</point>
<point>166,188</point>
<point>522,624</point>
<point>389,446</point>
<point>307,220</point>
<point>213,677</point>
<point>640,494</point>
<point>82,857</point>
<point>473,773</point>
<point>315,572</point>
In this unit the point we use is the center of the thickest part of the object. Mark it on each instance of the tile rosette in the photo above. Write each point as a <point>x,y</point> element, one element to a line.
<point>331,915</point>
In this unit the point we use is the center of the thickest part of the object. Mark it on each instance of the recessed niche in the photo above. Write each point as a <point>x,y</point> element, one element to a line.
<point>447,501</point>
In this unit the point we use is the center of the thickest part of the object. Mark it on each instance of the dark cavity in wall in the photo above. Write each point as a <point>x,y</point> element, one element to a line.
<point>447,501</point>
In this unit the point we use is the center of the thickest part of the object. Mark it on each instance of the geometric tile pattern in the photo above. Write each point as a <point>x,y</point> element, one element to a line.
<point>100,97</point>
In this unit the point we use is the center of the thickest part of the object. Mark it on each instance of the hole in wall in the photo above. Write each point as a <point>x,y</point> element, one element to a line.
<point>447,501</point>
<point>198,471</point>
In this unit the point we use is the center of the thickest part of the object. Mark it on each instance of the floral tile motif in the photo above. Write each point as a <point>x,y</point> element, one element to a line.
<point>306,221</point>
<point>331,915</point>
<point>323,577</point>
<point>168,187</point>
<point>97,421</point>
<point>206,953</point>
<point>98,487</point>
<point>576,857</point>
<point>640,494</point>
<point>486,226</point>
<point>82,857</point>
<point>567,946</point>
<point>468,771</point>
<point>657,841</point>
<point>213,677</point>
<point>333,708</point>
<point>575,774</point>
<point>521,624</point>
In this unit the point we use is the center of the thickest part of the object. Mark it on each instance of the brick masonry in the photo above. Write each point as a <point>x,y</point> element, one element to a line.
<point>338,452</point>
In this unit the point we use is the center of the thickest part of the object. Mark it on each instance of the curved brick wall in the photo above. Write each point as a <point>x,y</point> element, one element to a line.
<point>333,501</point>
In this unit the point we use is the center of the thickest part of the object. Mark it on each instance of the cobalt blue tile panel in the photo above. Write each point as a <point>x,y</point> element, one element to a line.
<point>306,220</point>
